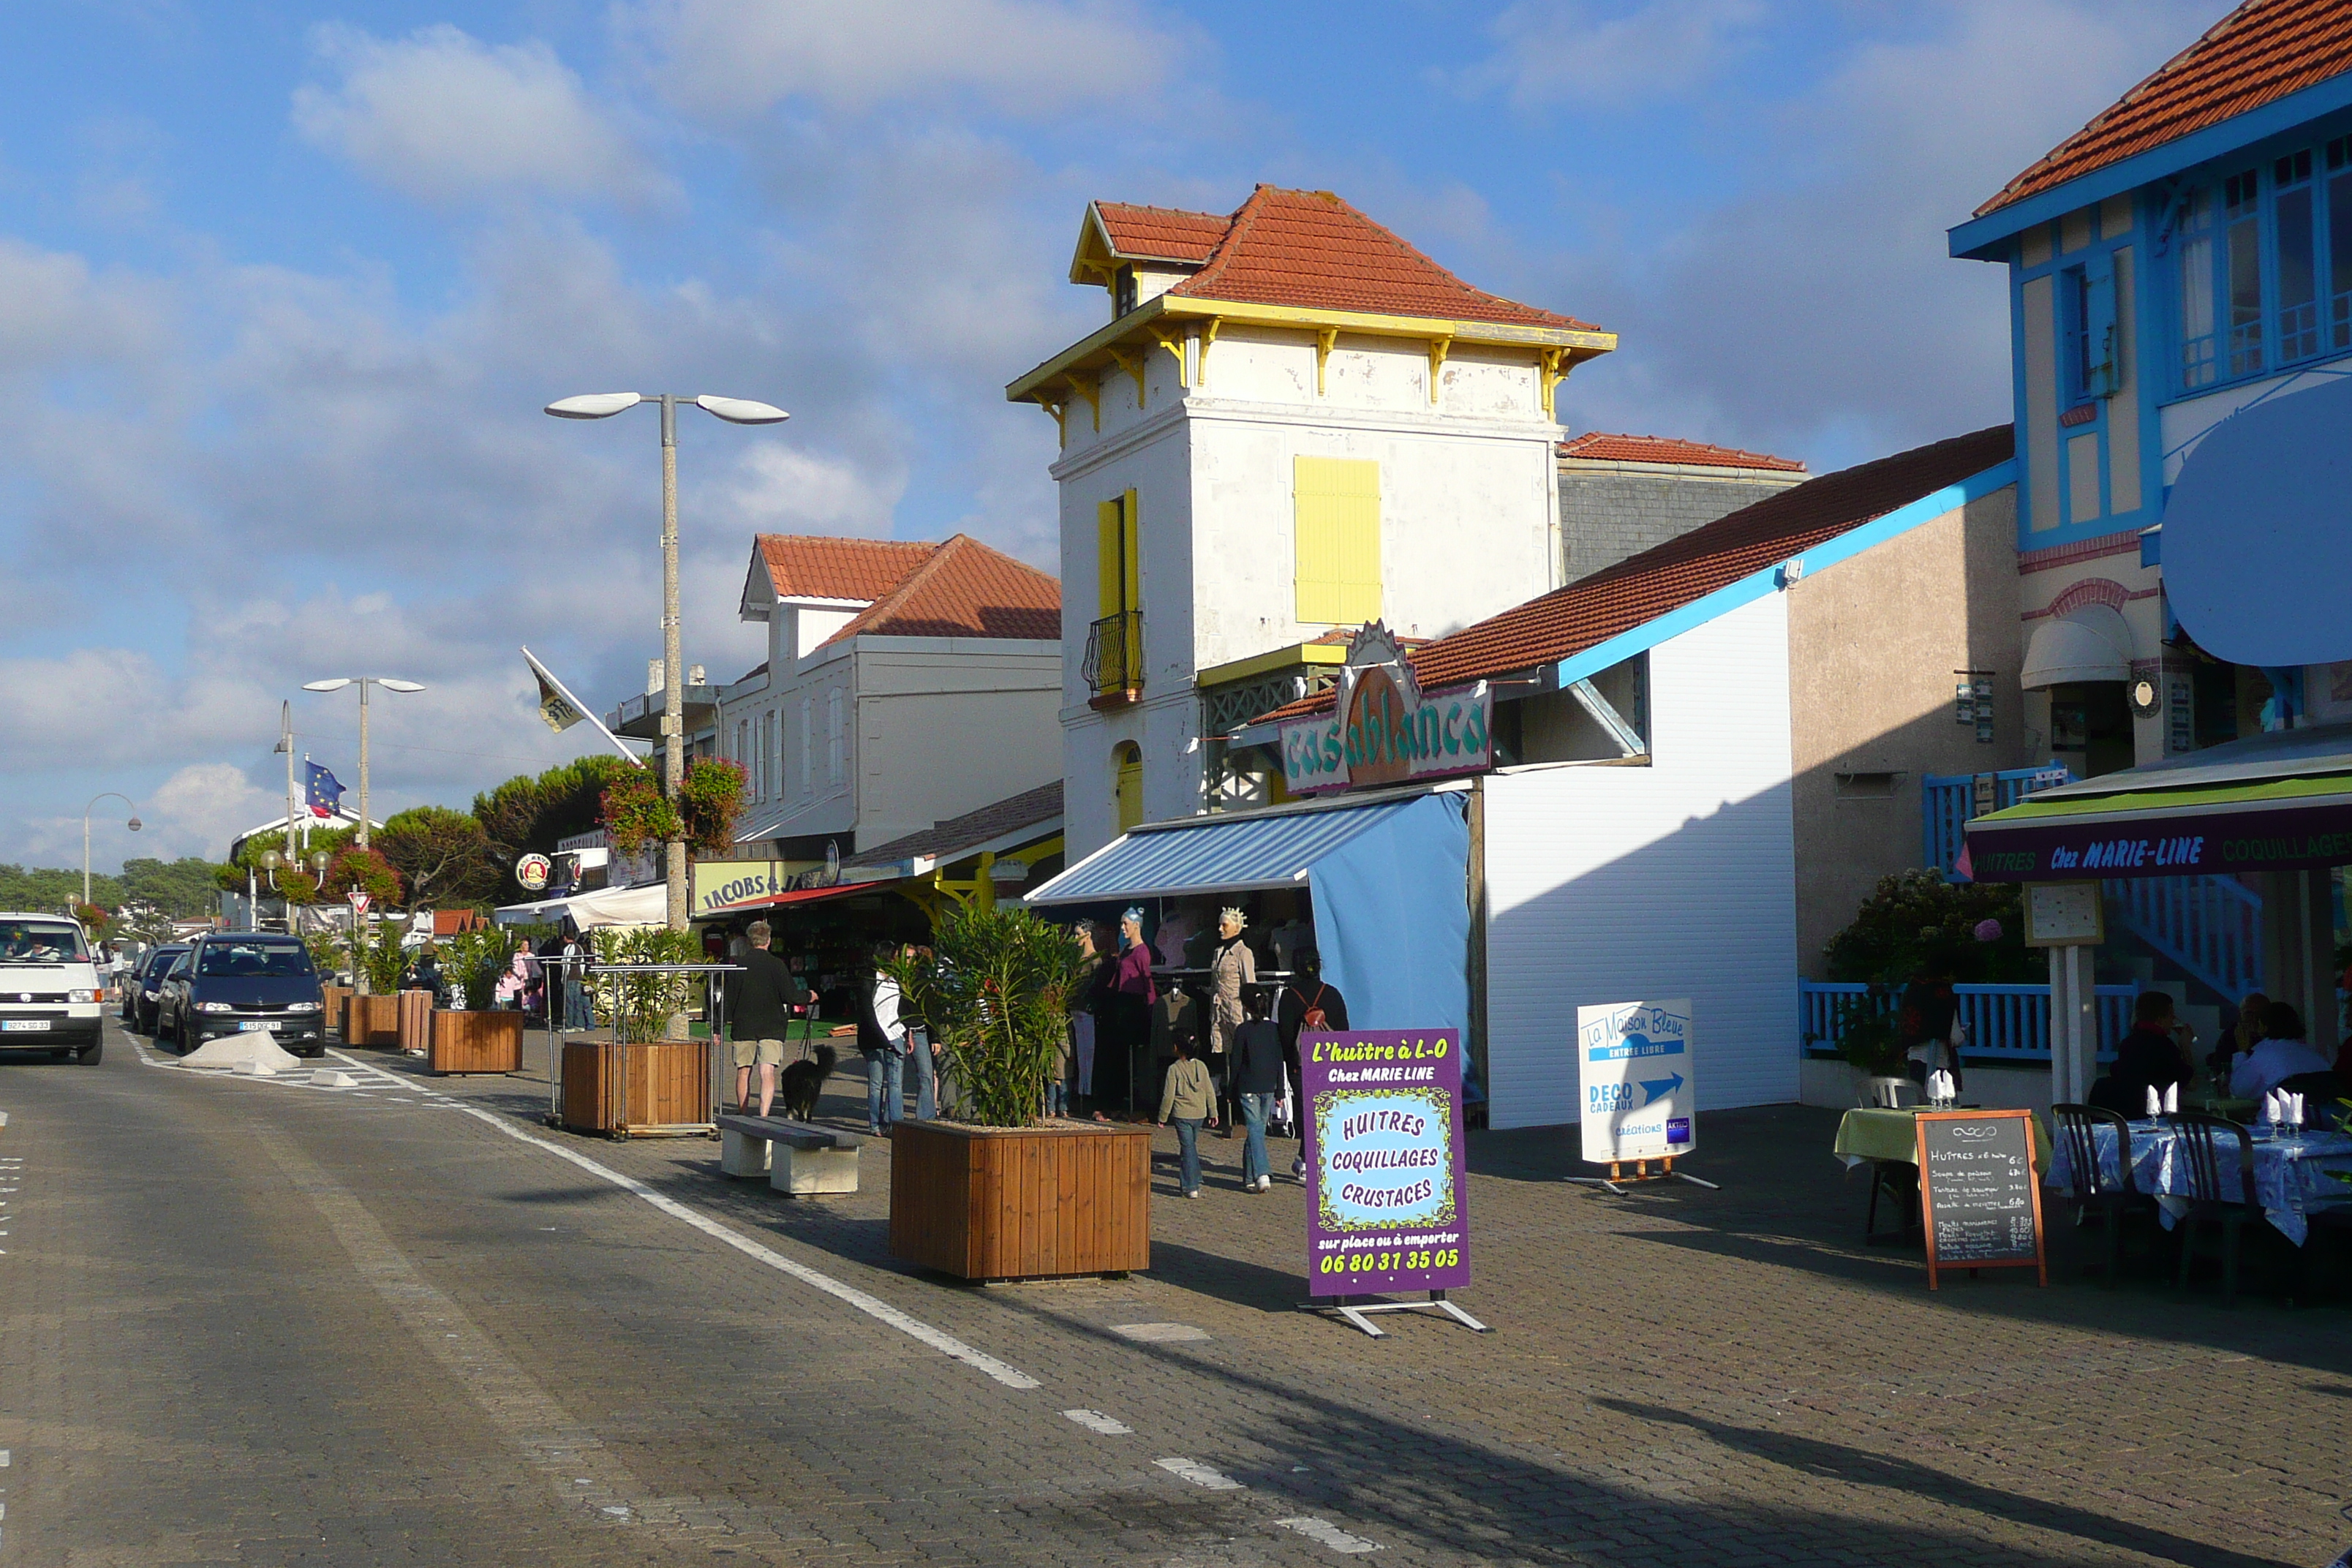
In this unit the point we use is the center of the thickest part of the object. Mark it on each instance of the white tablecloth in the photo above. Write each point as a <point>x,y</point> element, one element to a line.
<point>2290,1173</point>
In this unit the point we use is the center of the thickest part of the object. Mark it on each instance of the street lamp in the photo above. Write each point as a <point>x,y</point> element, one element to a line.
<point>363,682</point>
<point>735,411</point>
<point>132,824</point>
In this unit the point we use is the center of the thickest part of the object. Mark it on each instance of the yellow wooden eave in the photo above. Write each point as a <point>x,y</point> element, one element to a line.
<point>1291,657</point>
<point>1091,355</point>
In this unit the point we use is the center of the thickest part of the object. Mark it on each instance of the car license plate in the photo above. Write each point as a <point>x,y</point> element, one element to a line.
<point>25,1025</point>
<point>250,1025</point>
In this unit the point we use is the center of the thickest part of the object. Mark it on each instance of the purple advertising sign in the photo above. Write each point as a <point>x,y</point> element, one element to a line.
<point>1386,1198</point>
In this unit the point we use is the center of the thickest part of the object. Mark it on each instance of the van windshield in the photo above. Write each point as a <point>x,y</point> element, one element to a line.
<point>41,942</point>
<point>274,960</point>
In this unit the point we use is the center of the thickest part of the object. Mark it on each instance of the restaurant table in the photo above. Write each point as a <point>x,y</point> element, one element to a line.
<point>1883,1132</point>
<point>2290,1173</point>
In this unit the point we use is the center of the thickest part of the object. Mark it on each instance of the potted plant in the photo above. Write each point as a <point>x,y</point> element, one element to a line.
<point>1005,1193</point>
<point>472,1034</point>
<point>372,1016</point>
<point>649,1077</point>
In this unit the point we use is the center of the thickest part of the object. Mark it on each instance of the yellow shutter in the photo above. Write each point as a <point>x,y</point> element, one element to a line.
<point>1336,512</point>
<point>1110,558</point>
<point>1131,550</point>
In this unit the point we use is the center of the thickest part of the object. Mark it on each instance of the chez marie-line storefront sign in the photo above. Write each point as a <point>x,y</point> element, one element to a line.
<point>1383,729</point>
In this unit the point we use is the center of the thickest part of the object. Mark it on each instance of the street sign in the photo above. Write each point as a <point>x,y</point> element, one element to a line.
<point>1639,1100</point>
<point>359,902</point>
<point>532,871</point>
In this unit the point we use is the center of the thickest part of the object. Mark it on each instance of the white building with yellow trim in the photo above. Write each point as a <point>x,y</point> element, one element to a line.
<point>1293,423</point>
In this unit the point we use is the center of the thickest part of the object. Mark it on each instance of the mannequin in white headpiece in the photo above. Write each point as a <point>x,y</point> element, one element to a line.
<point>1230,967</point>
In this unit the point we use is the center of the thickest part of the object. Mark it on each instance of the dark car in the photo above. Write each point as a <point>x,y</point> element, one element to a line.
<point>143,985</point>
<point>233,983</point>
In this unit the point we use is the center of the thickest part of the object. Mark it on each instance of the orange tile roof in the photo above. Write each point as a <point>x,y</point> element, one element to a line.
<point>1310,250</point>
<point>1162,234</point>
<point>964,589</point>
<point>819,566</point>
<point>2263,51</point>
<point>1604,448</point>
<point>1641,588</point>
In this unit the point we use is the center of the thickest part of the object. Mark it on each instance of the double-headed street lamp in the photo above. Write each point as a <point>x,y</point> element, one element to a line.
<point>735,411</point>
<point>363,682</point>
<point>132,824</point>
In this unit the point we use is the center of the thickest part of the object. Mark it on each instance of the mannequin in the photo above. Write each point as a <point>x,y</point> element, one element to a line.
<point>1125,1031</point>
<point>1232,967</point>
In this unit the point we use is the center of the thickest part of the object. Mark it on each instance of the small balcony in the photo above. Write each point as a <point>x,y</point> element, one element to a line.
<point>1114,660</point>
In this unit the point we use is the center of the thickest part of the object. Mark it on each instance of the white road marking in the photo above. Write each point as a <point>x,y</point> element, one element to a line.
<point>1092,1420</point>
<point>1201,1474</point>
<point>1328,1534</point>
<point>1159,1333</point>
<point>947,1344</point>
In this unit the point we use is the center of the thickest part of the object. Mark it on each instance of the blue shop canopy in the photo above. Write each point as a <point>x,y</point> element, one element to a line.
<point>1389,879</point>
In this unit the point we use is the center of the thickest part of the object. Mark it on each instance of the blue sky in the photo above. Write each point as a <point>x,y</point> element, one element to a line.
<point>282,289</point>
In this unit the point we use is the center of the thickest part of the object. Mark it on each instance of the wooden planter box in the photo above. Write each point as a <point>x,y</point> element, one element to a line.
<point>1021,1202</point>
<point>331,1002</point>
<point>475,1042</point>
<point>371,1021</point>
<point>668,1084</point>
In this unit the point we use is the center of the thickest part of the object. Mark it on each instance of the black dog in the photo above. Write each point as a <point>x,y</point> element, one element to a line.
<point>798,1091</point>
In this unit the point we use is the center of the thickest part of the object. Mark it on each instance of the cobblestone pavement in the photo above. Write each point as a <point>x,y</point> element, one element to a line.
<point>256,1321</point>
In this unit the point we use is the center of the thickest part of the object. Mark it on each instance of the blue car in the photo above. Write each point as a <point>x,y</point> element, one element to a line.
<point>243,983</point>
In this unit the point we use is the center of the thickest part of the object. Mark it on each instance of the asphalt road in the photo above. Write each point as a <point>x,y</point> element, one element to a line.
<point>268,1323</point>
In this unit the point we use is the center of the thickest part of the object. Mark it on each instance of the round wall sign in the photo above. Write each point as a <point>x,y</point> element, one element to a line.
<point>531,871</point>
<point>2145,700</point>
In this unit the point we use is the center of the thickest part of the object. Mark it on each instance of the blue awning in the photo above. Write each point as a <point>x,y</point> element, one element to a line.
<point>1388,880</point>
<point>1213,853</point>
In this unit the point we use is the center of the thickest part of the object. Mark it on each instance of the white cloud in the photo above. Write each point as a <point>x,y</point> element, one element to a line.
<point>1599,57</point>
<point>1027,57</point>
<point>443,116</point>
<point>200,809</point>
<point>776,488</point>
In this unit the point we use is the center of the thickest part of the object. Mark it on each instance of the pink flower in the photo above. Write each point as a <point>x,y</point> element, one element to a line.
<point>1988,931</point>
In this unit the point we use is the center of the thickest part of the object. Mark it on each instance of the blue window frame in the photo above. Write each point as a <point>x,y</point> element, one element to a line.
<point>2261,266</point>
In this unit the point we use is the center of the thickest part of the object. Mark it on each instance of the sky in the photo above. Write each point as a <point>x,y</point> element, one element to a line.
<point>283,288</point>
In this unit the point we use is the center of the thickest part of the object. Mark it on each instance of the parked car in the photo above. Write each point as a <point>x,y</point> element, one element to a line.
<point>146,981</point>
<point>242,982</point>
<point>48,987</point>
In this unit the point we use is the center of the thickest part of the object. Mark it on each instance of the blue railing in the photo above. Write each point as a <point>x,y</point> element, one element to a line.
<point>2005,1023</point>
<point>2211,926</point>
<point>1947,801</point>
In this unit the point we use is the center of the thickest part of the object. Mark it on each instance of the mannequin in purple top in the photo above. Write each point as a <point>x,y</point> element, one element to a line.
<point>1126,1025</point>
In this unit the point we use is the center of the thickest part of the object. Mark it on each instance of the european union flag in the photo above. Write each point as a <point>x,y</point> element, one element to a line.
<point>324,796</point>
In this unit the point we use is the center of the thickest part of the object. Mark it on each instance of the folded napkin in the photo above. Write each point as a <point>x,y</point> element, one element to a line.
<point>1939,1086</point>
<point>2274,1107</point>
<point>2155,1101</point>
<point>2295,1108</point>
<point>2172,1098</point>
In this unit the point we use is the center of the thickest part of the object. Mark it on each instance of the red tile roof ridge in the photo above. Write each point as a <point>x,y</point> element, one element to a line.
<point>835,566</point>
<point>1619,598</point>
<point>1194,235</point>
<point>1607,446</point>
<point>992,571</point>
<point>2261,52</point>
<point>1319,252</point>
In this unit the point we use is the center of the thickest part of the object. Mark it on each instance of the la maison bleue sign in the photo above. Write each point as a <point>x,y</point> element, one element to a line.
<point>1383,729</point>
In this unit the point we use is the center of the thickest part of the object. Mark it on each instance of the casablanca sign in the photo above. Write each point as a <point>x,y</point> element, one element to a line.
<point>1383,729</point>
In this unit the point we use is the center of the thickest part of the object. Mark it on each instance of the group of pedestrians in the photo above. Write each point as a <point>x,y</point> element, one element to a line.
<point>1189,1097</point>
<point>891,1035</point>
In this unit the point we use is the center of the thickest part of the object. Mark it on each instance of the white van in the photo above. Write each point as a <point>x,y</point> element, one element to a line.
<point>48,987</point>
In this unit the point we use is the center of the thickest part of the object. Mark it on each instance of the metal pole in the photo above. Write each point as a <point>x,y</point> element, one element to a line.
<point>286,743</point>
<point>363,765</point>
<point>85,850</point>
<point>673,721</point>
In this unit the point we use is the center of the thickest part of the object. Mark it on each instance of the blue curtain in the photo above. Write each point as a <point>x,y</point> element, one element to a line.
<point>1392,918</point>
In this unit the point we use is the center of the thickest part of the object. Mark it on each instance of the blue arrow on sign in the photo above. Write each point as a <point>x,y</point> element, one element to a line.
<point>1657,1089</point>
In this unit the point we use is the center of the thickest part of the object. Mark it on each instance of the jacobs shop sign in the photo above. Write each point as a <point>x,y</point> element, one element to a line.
<point>1384,729</point>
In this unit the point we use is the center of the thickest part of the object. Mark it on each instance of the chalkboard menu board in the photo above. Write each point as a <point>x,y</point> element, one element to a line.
<point>1979,1193</point>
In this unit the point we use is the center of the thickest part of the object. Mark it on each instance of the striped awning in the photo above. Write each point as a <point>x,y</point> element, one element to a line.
<point>1216,854</point>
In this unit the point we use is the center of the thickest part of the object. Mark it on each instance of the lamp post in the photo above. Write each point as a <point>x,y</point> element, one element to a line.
<point>363,682</point>
<point>132,824</point>
<point>735,411</point>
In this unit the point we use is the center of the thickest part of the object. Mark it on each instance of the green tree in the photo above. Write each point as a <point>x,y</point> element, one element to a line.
<point>443,857</point>
<point>528,815</point>
<point>1915,922</point>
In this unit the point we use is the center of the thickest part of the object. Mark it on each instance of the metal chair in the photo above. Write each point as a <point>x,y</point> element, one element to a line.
<point>2220,1190</point>
<point>2108,1200</point>
<point>1888,1093</point>
<point>2323,1093</point>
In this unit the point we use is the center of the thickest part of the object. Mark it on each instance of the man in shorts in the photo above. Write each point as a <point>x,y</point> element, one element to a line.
<point>760,1001</point>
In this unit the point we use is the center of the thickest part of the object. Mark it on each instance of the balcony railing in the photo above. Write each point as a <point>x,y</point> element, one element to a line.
<point>1114,662</point>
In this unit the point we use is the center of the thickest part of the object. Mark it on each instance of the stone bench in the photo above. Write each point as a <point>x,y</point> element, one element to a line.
<point>799,1160</point>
